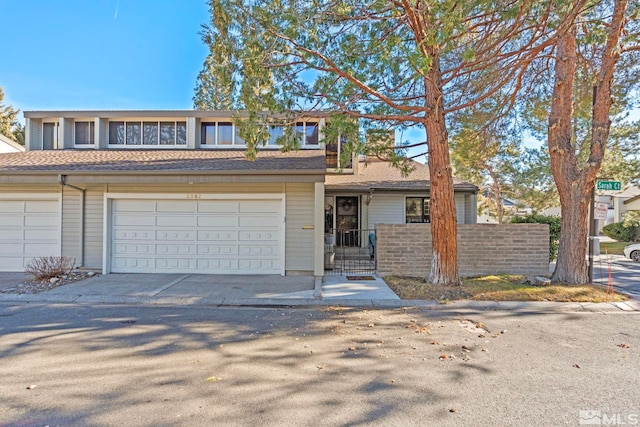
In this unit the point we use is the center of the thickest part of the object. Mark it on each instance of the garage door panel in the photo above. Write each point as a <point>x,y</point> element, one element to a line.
<point>133,264</point>
<point>217,250</point>
<point>219,265</point>
<point>176,236</point>
<point>11,207</point>
<point>172,206</point>
<point>136,235</point>
<point>175,221</point>
<point>259,236</point>
<point>40,221</point>
<point>218,221</point>
<point>131,248</point>
<point>41,249</point>
<point>257,221</point>
<point>175,250</point>
<point>126,220</point>
<point>203,236</point>
<point>11,221</point>
<point>11,263</point>
<point>257,250</point>
<point>12,234</point>
<point>259,206</point>
<point>175,264</point>
<point>256,264</point>
<point>122,206</point>
<point>11,248</point>
<point>39,206</point>
<point>217,206</point>
<point>44,234</point>
<point>210,235</point>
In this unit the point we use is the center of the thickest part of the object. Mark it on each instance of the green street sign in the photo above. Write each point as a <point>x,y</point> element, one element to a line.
<point>609,185</point>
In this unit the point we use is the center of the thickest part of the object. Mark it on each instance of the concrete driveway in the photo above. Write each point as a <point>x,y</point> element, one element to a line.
<point>210,290</point>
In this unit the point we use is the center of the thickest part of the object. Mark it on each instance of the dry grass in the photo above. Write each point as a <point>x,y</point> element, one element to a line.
<point>499,288</point>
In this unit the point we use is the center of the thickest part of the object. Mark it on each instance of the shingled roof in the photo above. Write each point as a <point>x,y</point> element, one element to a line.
<point>161,161</point>
<point>375,174</point>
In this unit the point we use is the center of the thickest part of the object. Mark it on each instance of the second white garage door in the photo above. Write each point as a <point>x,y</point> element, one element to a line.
<point>197,236</point>
<point>29,228</point>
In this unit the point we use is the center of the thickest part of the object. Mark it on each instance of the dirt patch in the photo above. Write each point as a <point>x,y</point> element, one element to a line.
<point>499,288</point>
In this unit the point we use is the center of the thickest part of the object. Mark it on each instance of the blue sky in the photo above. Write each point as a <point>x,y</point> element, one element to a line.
<point>101,54</point>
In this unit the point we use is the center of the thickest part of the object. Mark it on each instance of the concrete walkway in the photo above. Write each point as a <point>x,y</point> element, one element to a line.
<point>218,290</point>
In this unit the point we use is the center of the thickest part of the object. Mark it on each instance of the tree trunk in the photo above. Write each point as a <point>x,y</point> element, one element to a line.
<point>575,184</point>
<point>571,266</point>
<point>444,265</point>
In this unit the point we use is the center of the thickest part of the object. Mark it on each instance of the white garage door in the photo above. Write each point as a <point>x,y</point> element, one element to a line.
<point>28,228</point>
<point>197,236</point>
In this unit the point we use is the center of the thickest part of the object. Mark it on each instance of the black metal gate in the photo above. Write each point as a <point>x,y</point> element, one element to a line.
<point>350,251</point>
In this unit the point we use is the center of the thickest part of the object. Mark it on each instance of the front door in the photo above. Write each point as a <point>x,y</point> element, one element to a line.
<point>347,221</point>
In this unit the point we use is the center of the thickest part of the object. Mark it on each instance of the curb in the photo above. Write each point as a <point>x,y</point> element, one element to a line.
<point>515,306</point>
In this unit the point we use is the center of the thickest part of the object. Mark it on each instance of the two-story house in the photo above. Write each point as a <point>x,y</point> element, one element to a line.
<point>172,191</point>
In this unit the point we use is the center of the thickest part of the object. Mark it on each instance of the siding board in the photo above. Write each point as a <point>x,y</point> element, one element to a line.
<point>299,245</point>
<point>72,224</point>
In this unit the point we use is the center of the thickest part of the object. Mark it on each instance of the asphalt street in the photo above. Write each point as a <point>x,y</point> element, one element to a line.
<point>625,274</point>
<point>102,365</point>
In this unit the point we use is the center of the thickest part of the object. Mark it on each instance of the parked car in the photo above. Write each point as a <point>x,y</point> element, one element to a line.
<point>633,252</point>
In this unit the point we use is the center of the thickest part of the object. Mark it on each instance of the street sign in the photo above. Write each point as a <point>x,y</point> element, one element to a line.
<point>609,185</point>
<point>600,211</point>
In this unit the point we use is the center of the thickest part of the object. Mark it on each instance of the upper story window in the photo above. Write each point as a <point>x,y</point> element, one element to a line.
<point>148,133</point>
<point>49,136</point>
<point>308,131</point>
<point>219,133</point>
<point>85,133</point>
<point>335,157</point>
<point>418,210</point>
<point>225,133</point>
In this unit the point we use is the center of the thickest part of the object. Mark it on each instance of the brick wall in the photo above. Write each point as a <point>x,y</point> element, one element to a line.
<point>405,249</point>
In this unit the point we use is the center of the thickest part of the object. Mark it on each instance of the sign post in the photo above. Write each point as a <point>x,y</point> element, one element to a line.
<point>596,213</point>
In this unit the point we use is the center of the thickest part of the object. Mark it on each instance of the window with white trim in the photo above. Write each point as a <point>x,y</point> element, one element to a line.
<point>147,133</point>
<point>85,133</point>
<point>308,132</point>
<point>224,133</point>
<point>417,210</point>
<point>219,133</point>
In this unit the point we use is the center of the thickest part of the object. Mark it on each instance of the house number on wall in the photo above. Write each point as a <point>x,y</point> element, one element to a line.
<point>194,196</point>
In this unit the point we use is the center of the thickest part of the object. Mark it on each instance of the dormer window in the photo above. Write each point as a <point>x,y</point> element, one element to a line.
<point>308,132</point>
<point>219,134</point>
<point>85,133</point>
<point>148,133</point>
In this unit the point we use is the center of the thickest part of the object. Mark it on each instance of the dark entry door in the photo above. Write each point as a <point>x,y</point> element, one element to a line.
<point>347,221</point>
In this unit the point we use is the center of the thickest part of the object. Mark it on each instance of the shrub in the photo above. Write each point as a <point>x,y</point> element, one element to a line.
<point>632,219</point>
<point>618,231</point>
<point>44,268</point>
<point>554,229</point>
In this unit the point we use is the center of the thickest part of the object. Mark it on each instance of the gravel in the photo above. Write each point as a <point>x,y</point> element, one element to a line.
<point>37,286</point>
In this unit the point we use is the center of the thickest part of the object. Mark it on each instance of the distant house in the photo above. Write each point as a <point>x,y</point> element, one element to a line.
<point>172,192</point>
<point>9,146</point>
<point>626,201</point>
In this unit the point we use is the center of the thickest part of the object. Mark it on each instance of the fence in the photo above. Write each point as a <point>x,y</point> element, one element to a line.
<point>405,249</point>
<point>350,251</point>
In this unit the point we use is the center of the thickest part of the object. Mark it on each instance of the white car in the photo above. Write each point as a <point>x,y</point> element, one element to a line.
<point>633,252</point>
